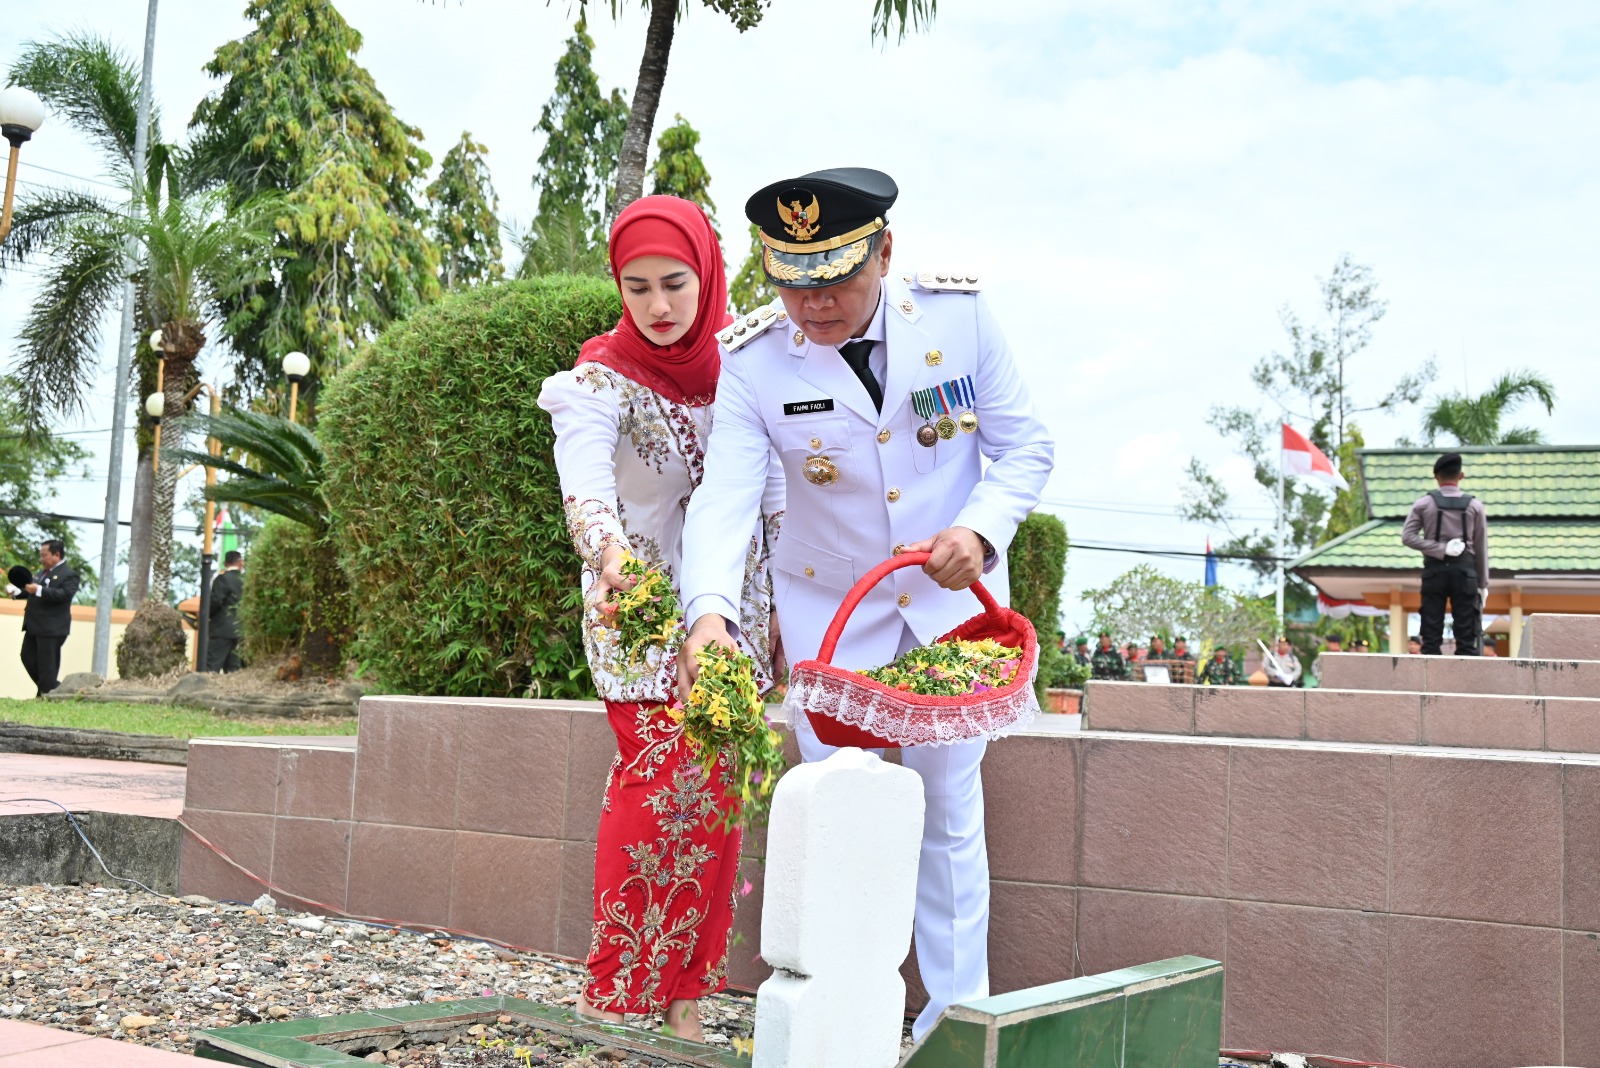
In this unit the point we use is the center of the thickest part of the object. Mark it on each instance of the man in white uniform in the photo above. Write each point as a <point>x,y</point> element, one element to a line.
<point>883,391</point>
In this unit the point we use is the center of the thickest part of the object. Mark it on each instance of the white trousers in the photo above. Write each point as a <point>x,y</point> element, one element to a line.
<point>952,922</point>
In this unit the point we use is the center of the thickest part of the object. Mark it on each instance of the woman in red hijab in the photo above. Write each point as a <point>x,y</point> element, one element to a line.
<point>631,423</point>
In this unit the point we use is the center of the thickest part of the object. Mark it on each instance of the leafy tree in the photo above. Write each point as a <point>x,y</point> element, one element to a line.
<point>296,114</point>
<point>1476,420</point>
<point>887,15</point>
<point>561,242</point>
<point>1312,386</point>
<point>1146,601</point>
<point>1036,565</point>
<point>679,171</point>
<point>750,287</point>
<point>582,128</point>
<point>1349,506</point>
<point>466,226</point>
<point>281,471</point>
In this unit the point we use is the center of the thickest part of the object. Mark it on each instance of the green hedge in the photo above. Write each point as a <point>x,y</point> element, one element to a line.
<point>277,589</point>
<point>444,492</point>
<point>1036,564</point>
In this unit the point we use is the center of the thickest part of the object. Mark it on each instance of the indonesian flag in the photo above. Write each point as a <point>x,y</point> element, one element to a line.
<point>1304,459</point>
<point>220,521</point>
<point>1337,609</point>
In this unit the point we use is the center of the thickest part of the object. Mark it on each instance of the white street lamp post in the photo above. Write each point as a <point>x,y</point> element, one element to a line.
<point>296,365</point>
<point>21,113</point>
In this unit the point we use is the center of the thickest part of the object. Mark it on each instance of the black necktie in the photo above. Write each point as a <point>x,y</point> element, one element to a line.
<point>856,354</point>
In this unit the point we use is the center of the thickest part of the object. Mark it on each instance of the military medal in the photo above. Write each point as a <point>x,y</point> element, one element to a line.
<point>968,398</point>
<point>922,404</point>
<point>946,425</point>
<point>820,471</point>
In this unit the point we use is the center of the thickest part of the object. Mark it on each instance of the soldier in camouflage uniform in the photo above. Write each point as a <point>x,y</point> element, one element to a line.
<point>1107,662</point>
<point>1180,650</point>
<point>1080,651</point>
<point>1221,670</point>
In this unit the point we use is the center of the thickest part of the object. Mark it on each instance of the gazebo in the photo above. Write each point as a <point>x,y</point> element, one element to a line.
<point>1544,533</point>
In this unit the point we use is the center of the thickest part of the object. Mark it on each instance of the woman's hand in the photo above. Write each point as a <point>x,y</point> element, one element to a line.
<point>610,578</point>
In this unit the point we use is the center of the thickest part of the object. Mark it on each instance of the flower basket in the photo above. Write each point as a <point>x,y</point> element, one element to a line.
<point>847,708</point>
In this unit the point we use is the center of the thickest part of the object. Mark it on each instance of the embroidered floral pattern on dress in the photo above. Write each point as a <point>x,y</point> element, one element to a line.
<point>648,924</point>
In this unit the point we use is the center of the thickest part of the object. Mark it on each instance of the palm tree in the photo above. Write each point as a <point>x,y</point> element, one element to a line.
<point>284,476</point>
<point>1476,420</point>
<point>93,86</point>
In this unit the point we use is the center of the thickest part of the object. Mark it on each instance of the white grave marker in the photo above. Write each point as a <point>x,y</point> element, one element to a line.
<point>841,892</point>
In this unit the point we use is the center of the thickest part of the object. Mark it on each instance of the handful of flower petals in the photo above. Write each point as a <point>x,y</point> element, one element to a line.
<point>951,668</point>
<point>725,715</point>
<point>644,616</point>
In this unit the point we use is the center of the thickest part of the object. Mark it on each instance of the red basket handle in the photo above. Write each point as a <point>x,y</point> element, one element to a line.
<point>830,639</point>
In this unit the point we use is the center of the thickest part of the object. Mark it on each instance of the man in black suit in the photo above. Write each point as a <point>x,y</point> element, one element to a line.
<point>47,619</point>
<point>222,641</point>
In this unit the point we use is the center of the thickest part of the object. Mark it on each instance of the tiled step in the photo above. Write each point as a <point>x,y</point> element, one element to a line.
<point>1474,721</point>
<point>26,1045</point>
<point>1461,674</point>
<point>1563,637</point>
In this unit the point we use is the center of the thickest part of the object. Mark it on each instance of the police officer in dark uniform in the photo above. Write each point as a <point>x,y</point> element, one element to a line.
<point>1451,531</point>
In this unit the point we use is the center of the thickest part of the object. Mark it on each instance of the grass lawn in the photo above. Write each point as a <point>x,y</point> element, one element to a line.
<point>158,719</point>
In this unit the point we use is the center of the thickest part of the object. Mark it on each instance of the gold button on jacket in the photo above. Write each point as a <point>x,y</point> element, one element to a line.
<point>905,599</point>
<point>811,572</point>
<point>883,436</point>
<point>893,494</point>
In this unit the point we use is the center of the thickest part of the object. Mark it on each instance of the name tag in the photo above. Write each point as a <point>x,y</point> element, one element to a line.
<point>807,407</point>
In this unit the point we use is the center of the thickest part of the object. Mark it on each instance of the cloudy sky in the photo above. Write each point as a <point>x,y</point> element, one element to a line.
<point>1143,184</point>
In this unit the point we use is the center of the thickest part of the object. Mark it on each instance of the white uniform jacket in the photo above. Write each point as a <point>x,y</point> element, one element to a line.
<point>780,390</point>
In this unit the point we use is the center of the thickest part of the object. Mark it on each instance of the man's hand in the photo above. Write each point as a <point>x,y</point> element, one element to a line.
<point>32,587</point>
<point>1455,547</point>
<point>1483,597</point>
<point>709,629</point>
<point>955,557</point>
<point>610,578</point>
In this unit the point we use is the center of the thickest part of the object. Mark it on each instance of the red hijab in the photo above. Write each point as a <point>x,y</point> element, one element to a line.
<point>685,371</point>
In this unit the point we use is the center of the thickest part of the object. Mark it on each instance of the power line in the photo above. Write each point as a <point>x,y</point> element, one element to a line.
<point>68,174</point>
<point>56,517</point>
<point>1180,554</point>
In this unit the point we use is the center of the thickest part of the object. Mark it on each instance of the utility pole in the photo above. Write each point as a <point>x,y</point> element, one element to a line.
<point>1278,541</point>
<point>119,393</point>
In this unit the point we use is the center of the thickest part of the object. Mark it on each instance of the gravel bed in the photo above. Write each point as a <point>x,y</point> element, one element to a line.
<point>129,965</point>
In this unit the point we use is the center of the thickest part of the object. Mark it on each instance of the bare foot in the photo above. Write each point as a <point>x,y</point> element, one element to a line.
<point>588,1011</point>
<point>682,1020</point>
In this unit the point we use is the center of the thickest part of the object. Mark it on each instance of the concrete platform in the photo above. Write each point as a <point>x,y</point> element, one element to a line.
<point>81,785</point>
<point>1473,721</point>
<point>1461,674</point>
<point>26,1045</point>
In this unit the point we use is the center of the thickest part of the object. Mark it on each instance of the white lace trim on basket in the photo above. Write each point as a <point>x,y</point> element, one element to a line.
<point>992,715</point>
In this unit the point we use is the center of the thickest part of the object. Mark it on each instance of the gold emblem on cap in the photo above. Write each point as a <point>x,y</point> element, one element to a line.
<point>801,222</point>
<point>934,358</point>
<point>799,339</point>
<point>969,422</point>
<point>820,471</point>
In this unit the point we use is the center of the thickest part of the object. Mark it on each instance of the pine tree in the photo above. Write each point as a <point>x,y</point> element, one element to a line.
<point>583,129</point>
<point>679,170</point>
<point>297,114</point>
<point>466,226</point>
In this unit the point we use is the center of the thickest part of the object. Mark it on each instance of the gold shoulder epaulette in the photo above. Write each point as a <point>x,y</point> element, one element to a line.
<point>946,282</point>
<point>747,328</point>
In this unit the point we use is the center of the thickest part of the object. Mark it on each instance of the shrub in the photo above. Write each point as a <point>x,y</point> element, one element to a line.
<point>277,589</point>
<point>443,488</point>
<point>1036,565</point>
<point>153,644</point>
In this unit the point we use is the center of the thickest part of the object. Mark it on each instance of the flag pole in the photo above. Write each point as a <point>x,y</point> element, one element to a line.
<point>1279,543</point>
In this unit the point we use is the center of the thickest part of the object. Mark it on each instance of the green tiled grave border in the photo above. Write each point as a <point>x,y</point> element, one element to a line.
<point>1167,1014</point>
<point>293,1043</point>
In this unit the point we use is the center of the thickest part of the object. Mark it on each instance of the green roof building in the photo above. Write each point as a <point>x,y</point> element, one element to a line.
<point>1544,532</point>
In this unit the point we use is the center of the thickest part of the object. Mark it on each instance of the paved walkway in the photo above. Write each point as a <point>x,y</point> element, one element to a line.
<point>90,785</point>
<point>26,1045</point>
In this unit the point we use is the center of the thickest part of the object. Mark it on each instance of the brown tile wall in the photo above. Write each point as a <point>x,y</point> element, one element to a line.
<point>1533,675</point>
<point>1563,637</point>
<point>1420,906</point>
